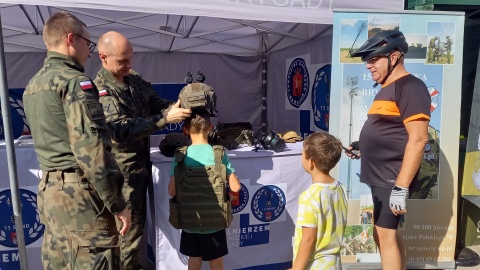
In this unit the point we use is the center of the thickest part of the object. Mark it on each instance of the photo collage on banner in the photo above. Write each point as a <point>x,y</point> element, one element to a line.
<point>434,55</point>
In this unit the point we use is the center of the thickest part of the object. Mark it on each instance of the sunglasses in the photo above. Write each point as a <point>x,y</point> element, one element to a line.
<point>91,44</point>
<point>373,60</point>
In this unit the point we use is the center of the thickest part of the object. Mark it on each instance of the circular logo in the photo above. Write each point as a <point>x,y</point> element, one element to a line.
<point>298,82</point>
<point>428,147</point>
<point>32,227</point>
<point>321,97</point>
<point>268,203</point>
<point>239,199</point>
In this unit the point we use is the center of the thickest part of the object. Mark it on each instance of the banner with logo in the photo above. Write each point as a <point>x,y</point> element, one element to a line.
<point>28,177</point>
<point>299,87</point>
<point>435,56</point>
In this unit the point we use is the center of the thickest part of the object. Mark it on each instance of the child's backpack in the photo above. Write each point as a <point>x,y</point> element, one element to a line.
<point>202,201</point>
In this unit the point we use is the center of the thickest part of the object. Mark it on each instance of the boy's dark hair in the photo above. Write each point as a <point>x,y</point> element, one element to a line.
<point>323,149</point>
<point>198,121</point>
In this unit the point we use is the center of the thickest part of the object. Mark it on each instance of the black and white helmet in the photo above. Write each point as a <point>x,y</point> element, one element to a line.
<point>382,43</point>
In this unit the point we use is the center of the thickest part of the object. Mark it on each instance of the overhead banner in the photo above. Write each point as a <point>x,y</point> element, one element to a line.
<point>435,56</point>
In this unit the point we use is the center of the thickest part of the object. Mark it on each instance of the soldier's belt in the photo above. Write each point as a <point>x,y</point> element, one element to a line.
<point>66,176</point>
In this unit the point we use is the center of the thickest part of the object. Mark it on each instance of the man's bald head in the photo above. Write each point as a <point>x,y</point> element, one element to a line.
<point>116,53</point>
<point>112,43</point>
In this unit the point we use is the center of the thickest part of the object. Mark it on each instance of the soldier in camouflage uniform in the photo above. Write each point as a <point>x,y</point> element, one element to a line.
<point>133,111</point>
<point>79,192</point>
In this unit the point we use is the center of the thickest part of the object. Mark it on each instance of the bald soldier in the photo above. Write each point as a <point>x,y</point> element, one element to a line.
<point>133,111</point>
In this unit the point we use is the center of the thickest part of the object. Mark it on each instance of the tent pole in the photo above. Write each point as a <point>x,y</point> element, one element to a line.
<point>264,92</point>
<point>12,166</point>
<point>264,83</point>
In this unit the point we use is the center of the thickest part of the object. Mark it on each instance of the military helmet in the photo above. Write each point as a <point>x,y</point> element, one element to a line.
<point>382,43</point>
<point>198,95</point>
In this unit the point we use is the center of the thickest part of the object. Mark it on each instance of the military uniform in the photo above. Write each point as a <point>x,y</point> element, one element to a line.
<point>133,111</point>
<point>448,48</point>
<point>80,186</point>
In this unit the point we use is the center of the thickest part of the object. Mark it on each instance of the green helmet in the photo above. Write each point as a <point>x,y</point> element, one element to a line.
<point>198,96</point>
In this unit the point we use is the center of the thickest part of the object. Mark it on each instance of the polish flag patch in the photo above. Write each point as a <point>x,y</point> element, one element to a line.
<point>103,92</point>
<point>85,85</point>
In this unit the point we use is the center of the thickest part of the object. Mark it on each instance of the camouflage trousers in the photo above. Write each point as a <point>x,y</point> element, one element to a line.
<point>80,232</point>
<point>135,192</point>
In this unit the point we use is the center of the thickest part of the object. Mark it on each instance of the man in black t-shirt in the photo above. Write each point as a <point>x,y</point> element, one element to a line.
<point>392,139</point>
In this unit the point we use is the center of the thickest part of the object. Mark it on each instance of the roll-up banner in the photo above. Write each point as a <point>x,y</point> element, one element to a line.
<point>435,56</point>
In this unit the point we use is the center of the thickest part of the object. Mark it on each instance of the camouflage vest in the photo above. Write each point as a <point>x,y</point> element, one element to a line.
<point>201,201</point>
<point>427,176</point>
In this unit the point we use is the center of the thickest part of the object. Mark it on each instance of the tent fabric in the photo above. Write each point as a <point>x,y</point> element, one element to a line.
<point>236,80</point>
<point>305,11</point>
<point>238,27</point>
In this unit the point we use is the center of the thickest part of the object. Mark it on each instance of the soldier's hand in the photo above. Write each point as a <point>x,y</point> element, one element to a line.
<point>177,114</point>
<point>126,217</point>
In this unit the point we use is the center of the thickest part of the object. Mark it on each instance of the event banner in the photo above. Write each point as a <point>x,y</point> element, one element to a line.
<point>435,56</point>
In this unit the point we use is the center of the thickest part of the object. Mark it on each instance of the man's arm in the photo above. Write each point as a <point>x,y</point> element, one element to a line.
<point>417,139</point>
<point>90,142</point>
<point>124,128</point>
<point>305,248</point>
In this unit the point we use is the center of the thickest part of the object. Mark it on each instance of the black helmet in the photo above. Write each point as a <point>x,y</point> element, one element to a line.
<point>382,43</point>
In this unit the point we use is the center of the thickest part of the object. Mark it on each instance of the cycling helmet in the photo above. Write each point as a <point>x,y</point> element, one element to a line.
<point>382,43</point>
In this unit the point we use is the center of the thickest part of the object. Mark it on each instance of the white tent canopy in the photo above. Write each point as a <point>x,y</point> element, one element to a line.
<point>239,27</point>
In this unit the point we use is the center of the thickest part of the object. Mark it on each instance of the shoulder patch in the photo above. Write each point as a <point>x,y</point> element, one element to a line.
<point>86,85</point>
<point>103,92</point>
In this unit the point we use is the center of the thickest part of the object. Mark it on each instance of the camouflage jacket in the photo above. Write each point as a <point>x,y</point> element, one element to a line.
<point>69,128</point>
<point>133,111</point>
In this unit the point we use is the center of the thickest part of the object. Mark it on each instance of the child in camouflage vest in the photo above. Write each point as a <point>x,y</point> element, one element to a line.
<point>202,245</point>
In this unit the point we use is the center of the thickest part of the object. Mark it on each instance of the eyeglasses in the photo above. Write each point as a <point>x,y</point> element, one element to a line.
<point>373,60</point>
<point>91,44</point>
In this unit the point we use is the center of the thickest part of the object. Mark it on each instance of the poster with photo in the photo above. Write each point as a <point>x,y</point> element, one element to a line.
<point>434,49</point>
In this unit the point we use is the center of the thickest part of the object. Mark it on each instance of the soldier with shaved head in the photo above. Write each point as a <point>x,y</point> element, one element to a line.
<point>133,111</point>
<point>80,189</point>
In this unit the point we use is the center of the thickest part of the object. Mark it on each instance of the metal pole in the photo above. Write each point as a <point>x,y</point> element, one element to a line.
<point>12,166</point>
<point>349,162</point>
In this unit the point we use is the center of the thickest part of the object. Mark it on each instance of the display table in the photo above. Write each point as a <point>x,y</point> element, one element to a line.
<point>261,233</point>
<point>264,210</point>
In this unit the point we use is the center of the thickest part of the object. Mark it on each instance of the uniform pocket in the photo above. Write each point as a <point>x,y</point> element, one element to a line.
<point>95,250</point>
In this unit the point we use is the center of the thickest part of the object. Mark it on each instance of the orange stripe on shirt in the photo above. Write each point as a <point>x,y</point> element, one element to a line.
<point>384,107</point>
<point>416,117</point>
